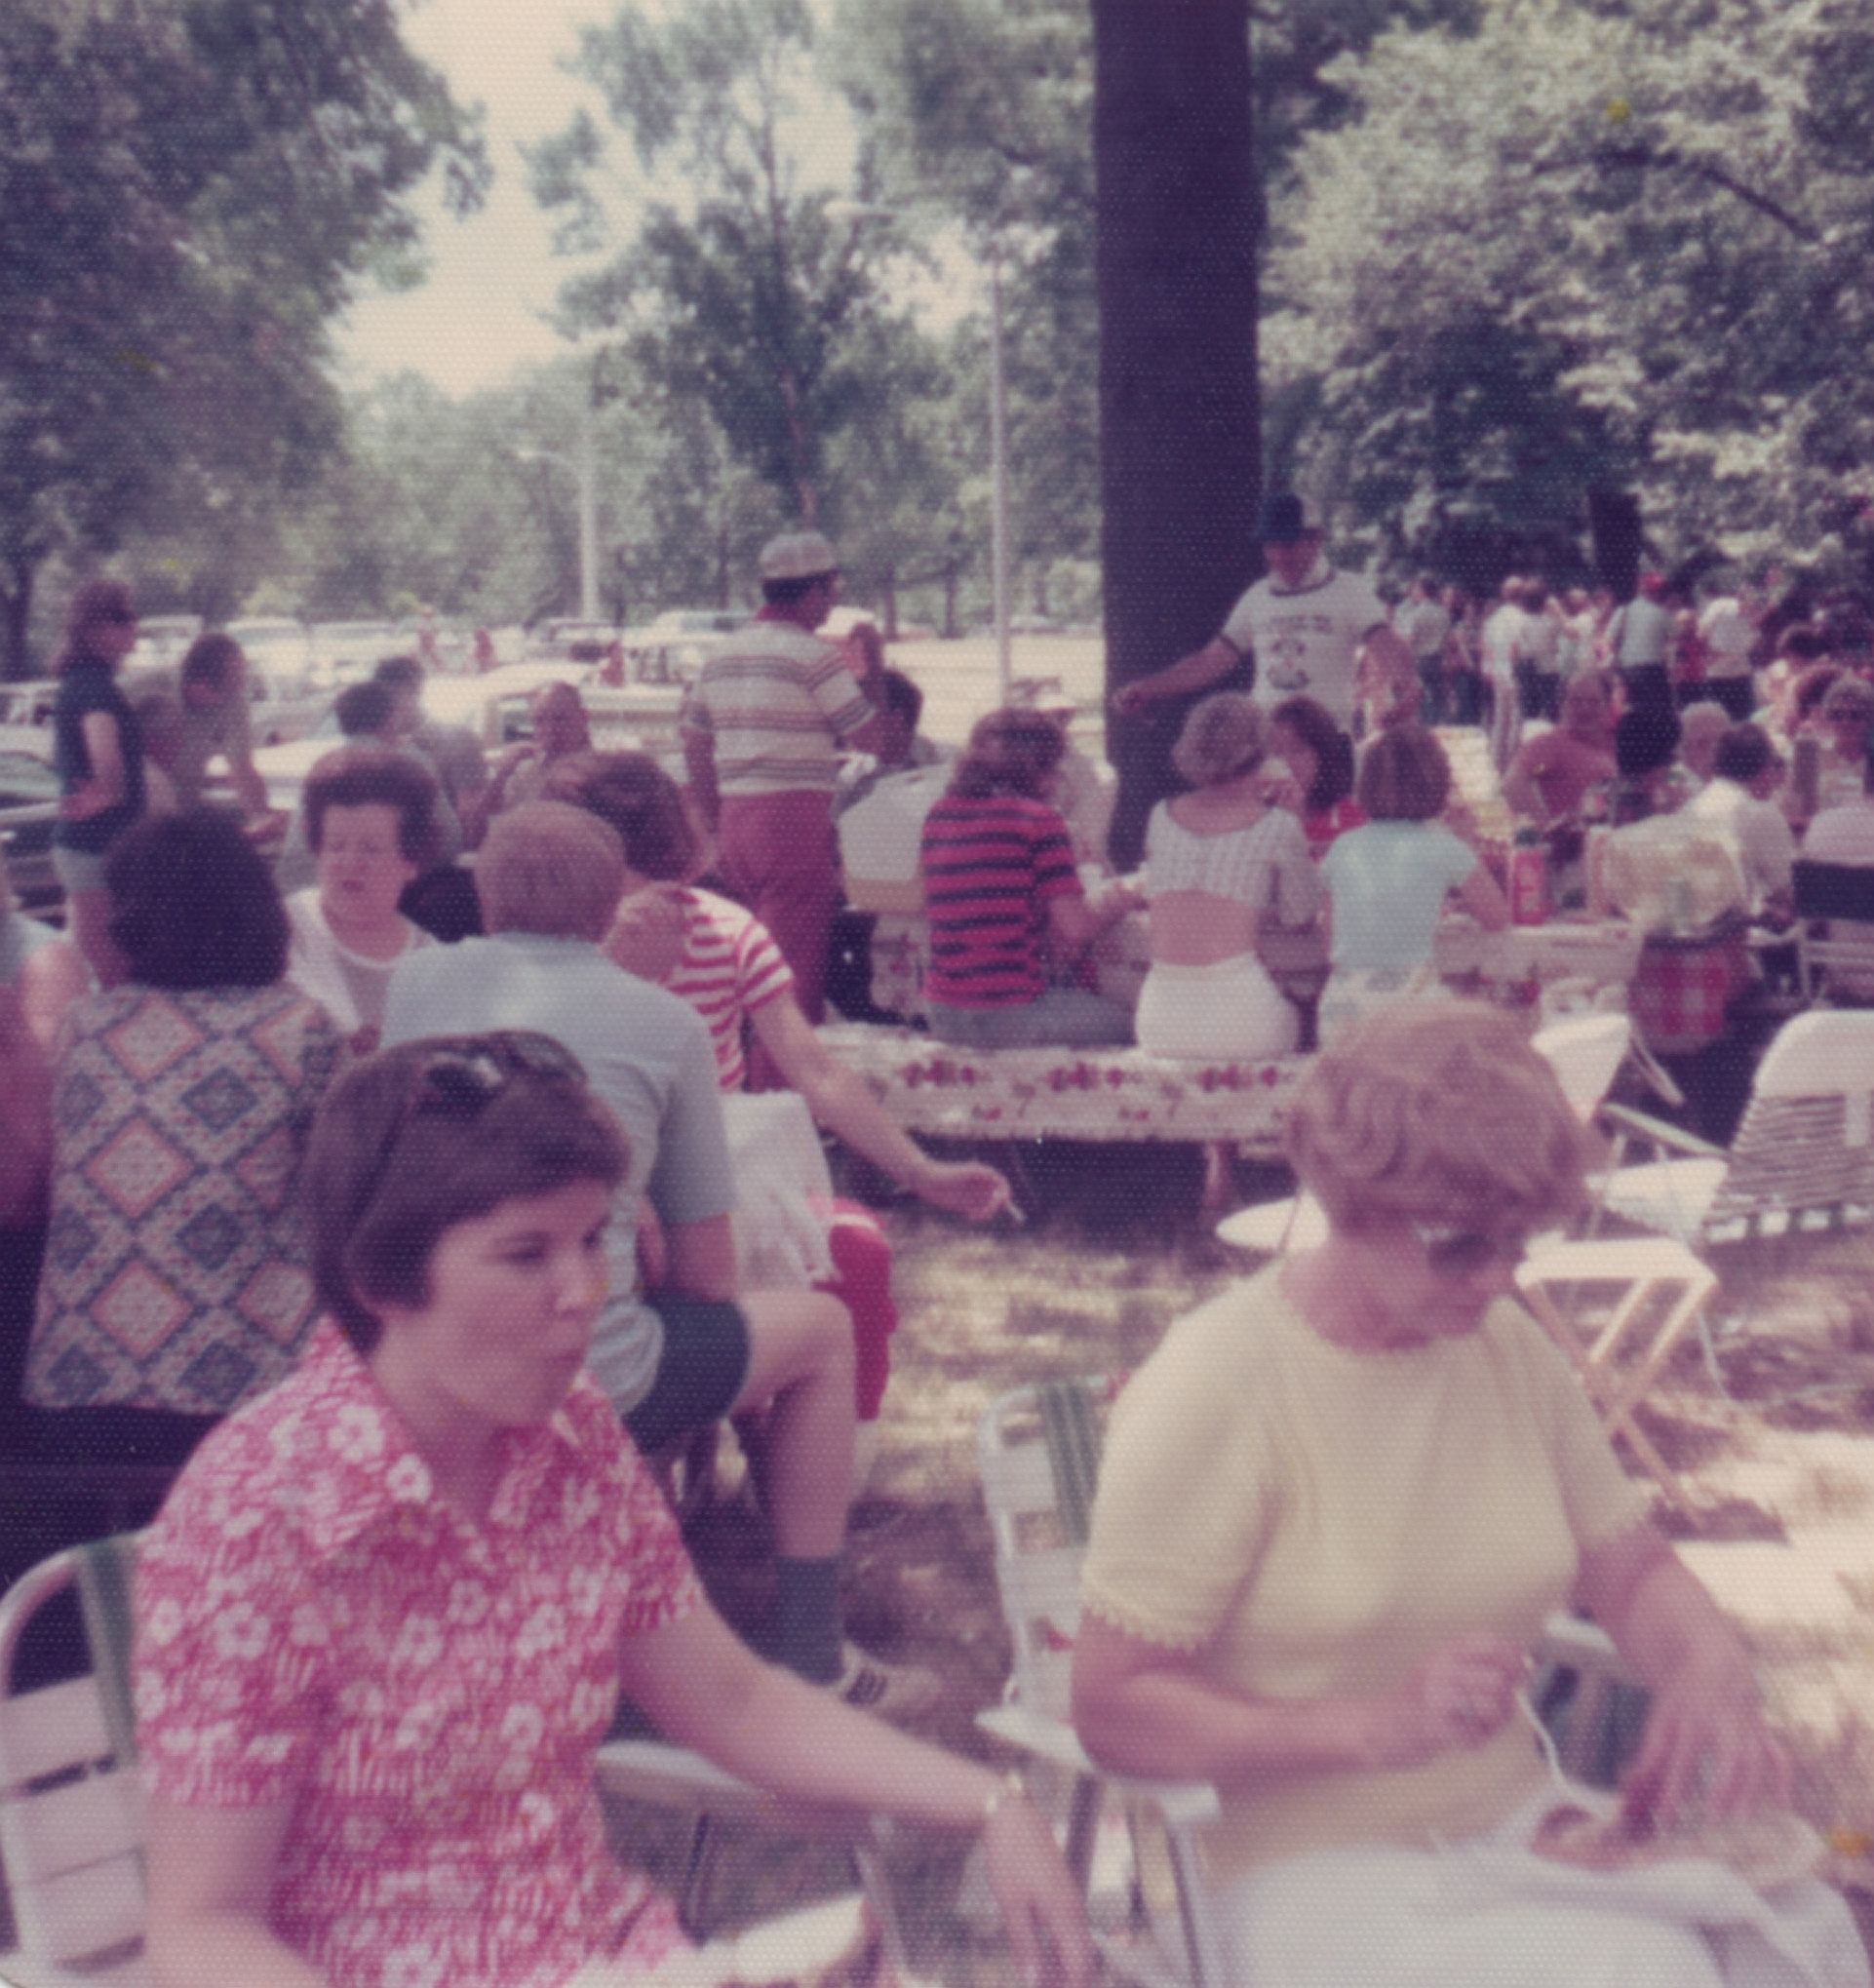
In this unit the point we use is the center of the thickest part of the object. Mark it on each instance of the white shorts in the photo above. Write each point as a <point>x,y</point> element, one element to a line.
<point>1230,1012</point>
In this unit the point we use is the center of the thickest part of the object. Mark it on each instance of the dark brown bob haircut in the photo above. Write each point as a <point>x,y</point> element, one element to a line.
<point>376,776</point>
<point>1011,750</point>
<point>633,794</point>
<point>1313,722</point>
<point>417,1139</point>
<point>97,603</point>
<point>1405,776</point>
<point>211,659</point>
<point>193,904</point>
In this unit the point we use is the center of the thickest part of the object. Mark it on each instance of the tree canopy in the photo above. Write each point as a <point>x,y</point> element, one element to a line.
<point>1645,235</point>
<point>188,191</point>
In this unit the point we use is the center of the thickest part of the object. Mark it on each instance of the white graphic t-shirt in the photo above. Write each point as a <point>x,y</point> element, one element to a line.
<point>1305,641</point>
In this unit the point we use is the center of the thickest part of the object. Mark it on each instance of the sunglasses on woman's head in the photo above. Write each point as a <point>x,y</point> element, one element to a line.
<point>1463,1252</point>
<point>461,1079</point>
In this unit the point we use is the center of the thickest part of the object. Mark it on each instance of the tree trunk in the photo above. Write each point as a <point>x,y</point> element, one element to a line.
<point>15,616</point>
<point>1179,218</point>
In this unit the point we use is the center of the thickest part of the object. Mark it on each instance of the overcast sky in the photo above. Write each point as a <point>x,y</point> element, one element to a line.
<point>494,277</point>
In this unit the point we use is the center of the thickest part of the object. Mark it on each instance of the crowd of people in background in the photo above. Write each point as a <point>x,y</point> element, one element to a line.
<point>228,982</point>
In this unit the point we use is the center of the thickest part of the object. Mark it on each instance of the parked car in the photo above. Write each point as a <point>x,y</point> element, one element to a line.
<point>275,643</point>
<point>28,703</point>
<point>28,813</point>
<point>344,651</point>
<point>163,640</point>
<point>570,642</point>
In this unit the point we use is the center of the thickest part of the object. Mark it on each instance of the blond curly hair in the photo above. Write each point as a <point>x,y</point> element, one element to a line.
<point>1438,1112</point>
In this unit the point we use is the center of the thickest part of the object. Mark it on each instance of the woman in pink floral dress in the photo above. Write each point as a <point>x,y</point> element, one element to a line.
<point>383,1619</point>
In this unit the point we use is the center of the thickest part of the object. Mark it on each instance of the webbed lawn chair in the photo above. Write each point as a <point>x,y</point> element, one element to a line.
<point>1834,905</point>
<point>71,1824</point>
<point>1802,1159</point>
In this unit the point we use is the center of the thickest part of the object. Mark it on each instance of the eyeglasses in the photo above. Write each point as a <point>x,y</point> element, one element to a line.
<point>462,1077</point>
<point>1464,1252</point>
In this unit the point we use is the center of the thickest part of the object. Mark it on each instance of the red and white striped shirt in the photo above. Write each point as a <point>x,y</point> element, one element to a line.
<point>730,966</point>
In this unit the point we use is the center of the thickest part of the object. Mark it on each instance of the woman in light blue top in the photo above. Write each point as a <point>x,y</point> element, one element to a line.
<point>1388,881</point>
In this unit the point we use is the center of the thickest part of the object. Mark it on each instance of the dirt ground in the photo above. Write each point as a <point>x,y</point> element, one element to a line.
<point>1779,1468</point>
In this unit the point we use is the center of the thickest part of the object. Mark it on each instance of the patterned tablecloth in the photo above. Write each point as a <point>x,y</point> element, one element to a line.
<point>1596,956</point>
<point>1094,1094</point>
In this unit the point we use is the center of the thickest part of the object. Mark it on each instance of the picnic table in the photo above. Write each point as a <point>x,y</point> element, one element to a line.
<point>935,1088</point>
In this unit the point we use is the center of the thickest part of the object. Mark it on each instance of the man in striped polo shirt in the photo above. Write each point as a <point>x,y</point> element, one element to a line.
<point>764,729</point>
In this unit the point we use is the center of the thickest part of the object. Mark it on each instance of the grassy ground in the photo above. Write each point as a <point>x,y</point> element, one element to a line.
<point>1781,1476</point>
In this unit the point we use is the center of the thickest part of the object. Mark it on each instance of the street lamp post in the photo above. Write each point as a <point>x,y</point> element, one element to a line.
<point>584,465</point>
<point>998,472</point>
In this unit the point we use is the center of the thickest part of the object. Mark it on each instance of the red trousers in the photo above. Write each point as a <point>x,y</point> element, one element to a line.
<point>777,854</point>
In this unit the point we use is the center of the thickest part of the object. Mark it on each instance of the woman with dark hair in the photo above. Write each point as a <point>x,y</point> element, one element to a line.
<point>1005,903</point>
<point>99,751</point>
<point>176,1279</point>
<point>1320,758</point>
<point>371,825</point>
<point>385,1616</point>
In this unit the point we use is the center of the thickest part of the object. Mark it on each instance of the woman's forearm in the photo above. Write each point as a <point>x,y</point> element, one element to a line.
<point>1179,1728</point>
<point>224,1946</point>
<point>1671,1623</point>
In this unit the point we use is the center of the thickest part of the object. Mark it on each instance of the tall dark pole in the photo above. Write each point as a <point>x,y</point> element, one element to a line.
<point>1179,218</point>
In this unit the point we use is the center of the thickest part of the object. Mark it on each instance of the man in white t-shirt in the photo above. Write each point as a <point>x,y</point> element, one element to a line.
<point>1301,629</point>
<point>1728,628</point>
<point>1423,623</point>
<point>1639,640</point>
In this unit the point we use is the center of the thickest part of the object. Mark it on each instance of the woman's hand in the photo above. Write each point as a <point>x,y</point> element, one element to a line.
<point>1039,1905</point>
<point>1706,1755</point>
<point>965,1188</point>
<point>89,797</point>
<point>1462,1695</point>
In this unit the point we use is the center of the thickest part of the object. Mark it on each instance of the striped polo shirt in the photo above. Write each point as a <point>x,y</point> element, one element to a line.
<point>778,704</point>
<point>730,966</point>
<point>991,868</point>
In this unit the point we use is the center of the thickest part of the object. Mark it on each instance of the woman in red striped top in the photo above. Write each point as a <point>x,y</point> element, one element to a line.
<point>1005,903</point>
<point>721,959</point>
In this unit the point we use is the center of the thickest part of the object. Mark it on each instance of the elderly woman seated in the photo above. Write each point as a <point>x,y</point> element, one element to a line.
<point>384,1617</point>
<point>1379,1478</point>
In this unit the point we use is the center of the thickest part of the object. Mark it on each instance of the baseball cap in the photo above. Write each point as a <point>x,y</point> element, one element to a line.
<point>1287,518</point>
<point>797,556</point>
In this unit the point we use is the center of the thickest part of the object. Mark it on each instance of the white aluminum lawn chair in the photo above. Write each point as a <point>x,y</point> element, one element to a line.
<point>1038,1447</point>
<point>71,1824</point>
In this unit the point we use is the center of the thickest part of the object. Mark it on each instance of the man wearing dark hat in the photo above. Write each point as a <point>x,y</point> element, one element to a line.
<point>1301,629</point>
<point>764,729</point>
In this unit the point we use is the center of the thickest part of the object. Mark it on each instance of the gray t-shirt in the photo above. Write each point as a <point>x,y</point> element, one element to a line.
<point>647,1055</point>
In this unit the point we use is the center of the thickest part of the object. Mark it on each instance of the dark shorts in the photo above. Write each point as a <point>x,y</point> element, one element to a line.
<point>702,1369</point>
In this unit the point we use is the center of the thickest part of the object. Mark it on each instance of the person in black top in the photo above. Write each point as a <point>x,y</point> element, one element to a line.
<point>98,750</point>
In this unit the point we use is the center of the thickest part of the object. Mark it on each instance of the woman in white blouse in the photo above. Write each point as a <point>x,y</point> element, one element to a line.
<point>371,824</point>
<point>1219,860</point>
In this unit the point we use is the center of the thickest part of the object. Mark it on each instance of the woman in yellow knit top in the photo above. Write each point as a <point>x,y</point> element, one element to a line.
<point>1384,1480</point>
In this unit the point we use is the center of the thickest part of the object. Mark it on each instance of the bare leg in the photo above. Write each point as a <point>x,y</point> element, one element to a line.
<point>800,1361</point>
<point>89,916</point>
